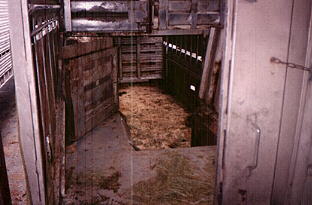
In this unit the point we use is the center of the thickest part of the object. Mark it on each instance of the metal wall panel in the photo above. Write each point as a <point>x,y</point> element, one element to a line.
<point>260,104</point>
<point>6,70</point>
<point>106,16</point>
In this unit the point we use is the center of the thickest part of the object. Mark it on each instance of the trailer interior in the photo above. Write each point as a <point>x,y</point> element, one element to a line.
<point>159,102</point>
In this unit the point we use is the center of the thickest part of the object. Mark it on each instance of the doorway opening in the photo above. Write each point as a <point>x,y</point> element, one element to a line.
<point>145,136</point>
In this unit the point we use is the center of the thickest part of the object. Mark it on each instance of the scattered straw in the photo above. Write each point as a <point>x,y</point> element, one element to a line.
<point>176,182</point>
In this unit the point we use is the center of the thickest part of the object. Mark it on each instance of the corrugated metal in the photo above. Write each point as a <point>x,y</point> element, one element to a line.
<point>6,71</point>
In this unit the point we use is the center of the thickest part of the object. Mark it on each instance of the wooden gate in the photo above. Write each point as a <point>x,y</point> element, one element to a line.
<point>140,58</point>
<point>91,89</point>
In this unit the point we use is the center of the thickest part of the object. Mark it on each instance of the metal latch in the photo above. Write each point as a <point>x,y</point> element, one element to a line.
<point>290,65</point>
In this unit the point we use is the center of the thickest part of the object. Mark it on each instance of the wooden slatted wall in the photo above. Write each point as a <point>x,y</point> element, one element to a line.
<point>140,58</point>
<point>91,90</point>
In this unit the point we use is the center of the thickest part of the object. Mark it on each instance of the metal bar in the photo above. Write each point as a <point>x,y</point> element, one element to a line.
<point>38,29</point>
<point>99,6</point>
<point>26,100</point>
<point>40,7</point>
<point>67,15</point>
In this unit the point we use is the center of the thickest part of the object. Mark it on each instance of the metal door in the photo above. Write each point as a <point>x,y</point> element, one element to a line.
<point>261,100</point>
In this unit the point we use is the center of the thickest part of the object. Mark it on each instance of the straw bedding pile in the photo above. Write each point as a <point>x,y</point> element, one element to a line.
<point>156,121</point>
<point>177,183</point>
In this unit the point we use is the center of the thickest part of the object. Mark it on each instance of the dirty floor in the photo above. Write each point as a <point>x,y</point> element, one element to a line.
<point>155,119</point>
<point>13,157</point>
<point>104,168</point>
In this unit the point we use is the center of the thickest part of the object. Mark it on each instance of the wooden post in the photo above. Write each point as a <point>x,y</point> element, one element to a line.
<point>26,99</point>
<point>5,197</point>
<point>207,64</point>
<point>138,63</point>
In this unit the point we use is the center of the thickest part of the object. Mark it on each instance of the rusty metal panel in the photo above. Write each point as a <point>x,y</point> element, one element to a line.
<point>189,14</point>
<point>107,16</point>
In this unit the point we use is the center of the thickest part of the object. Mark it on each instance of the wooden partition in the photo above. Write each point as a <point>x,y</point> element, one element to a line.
<point>91,84</point>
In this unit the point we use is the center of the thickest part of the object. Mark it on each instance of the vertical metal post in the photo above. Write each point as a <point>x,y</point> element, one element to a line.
<point>67,15</point>
<point>26,99</point>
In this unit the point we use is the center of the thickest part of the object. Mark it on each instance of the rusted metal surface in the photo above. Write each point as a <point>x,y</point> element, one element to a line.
<point>39,103</point>
<point>45,37</point>
<point>92,87</point>
<point>142,16</point>
<point>107,16</point>
<point>191,14</point>
<point>141,58</point>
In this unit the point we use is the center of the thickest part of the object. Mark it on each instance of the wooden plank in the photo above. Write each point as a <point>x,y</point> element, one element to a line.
<point>26,100</point>
<point>207,64</point>
<point>143,79</point>
<point>81,49</point>
<point>194,14</point>
<point>138,64</point>
<point>179,19</point>
<point>204,19</point>
<point>163,14</point>
<point>93,89</point>
<point>179,6</point>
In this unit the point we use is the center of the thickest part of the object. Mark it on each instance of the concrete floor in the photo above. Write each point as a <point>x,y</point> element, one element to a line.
<point>9,133</point>
<point>103,168</point>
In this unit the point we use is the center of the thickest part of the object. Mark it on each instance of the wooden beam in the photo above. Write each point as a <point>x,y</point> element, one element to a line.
<point>26,99</point>
<point>207,64</point>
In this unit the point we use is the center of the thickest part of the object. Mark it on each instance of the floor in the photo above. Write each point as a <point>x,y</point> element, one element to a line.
<point>104,168</point>
<point>155,119</point>
<point>13,157</point>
